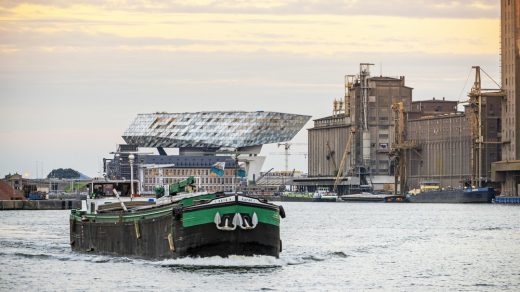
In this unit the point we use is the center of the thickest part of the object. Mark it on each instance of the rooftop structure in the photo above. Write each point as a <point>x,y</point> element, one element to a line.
<point>432,107</point>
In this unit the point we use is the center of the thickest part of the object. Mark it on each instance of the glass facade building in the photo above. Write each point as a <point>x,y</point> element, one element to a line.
<point>234,129</point>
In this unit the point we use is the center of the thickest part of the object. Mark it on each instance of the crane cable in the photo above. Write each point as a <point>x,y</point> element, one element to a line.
<point>500,87</point>
<point>464,88</point>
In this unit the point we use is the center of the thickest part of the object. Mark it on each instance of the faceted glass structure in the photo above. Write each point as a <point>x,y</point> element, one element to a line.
<point>213,129</point>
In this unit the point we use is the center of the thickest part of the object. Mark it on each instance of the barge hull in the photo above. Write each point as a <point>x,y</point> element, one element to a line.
<point>453,196</point>
<point>206,240</point>
<point>147,238</point>
<point>164,234</point>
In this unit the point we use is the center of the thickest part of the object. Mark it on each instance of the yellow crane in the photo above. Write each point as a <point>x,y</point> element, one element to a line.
<point>344,158</point>
<point>346,103</point>
<point>477,124</point>
<point>399,147</point>
<point>330,156</point>
<point>349,83</point>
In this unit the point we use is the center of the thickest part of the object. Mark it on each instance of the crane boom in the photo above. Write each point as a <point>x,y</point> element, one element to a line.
<point>346,153</point>
<point>330,156</point>
<point>399,146</point>
<point>477,121</point>
<point>287,147</point>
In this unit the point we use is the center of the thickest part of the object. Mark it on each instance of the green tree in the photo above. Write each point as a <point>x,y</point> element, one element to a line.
<point>64,173</point>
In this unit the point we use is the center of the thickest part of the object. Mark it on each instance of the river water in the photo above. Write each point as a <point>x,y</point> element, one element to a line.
<point>327,247</point>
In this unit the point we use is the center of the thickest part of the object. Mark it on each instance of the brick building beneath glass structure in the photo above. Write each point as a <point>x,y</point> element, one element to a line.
<point>203,139</point>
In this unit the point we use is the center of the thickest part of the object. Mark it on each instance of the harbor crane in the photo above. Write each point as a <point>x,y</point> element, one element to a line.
<point>330,157</point>
<point>346,154</point>
<point>287,147</point>
<point>342,107</point>
<point>476,100</point>
<point>399,147</point>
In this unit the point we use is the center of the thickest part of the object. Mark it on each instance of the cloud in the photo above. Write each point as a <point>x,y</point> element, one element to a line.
<point>76,28</point>
<point>407,8</point>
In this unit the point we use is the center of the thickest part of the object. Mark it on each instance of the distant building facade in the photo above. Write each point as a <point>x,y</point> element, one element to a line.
<point>432,107</point>
<point>382,93</point>
<point>161,170</point>
<point>118,167</point>
<point>25,186</point>
<point>16,181</point>
<point>11,187</point>
<point>329,136</point>
<point>444,143</point>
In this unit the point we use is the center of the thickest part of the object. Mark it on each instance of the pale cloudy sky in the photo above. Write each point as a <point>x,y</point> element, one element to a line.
<point>73,74</point>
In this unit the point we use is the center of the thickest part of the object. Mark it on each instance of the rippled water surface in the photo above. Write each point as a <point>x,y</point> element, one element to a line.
<point>327,246</point>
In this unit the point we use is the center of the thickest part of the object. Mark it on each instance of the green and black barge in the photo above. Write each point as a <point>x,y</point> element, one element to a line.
<point>182,223</point>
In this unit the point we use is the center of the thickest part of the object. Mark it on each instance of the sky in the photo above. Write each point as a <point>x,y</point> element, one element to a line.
<point>74,74</point>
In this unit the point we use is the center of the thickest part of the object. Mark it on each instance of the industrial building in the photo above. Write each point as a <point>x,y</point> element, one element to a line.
<point>365,117</point>
<point>507,171</point>
<point>431,107</point>
<point>202,140</point>
<point>433,141</point>
<point>442,139</point>
<point>118,168</point>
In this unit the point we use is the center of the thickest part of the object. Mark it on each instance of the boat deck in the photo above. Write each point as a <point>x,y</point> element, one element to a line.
<point>372,198</point>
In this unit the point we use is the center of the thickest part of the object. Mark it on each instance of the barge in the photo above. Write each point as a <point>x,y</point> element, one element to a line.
<point>431,192</point>
<point>182,223</point>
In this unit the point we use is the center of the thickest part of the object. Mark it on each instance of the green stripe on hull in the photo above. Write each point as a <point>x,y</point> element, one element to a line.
<point>189,201</point>
<point>205,216</point>
<point>127,217</point>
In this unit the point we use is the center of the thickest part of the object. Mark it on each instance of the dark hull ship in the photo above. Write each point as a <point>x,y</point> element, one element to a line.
<point>431,192</point>
<point>180,225</point>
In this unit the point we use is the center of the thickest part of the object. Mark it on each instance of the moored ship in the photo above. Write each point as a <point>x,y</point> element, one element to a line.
<point>431,192</point>
<point>181,223</point>
<point>324,195</point>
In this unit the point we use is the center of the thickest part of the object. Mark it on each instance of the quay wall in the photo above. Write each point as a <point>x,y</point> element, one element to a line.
<point>40,205</point>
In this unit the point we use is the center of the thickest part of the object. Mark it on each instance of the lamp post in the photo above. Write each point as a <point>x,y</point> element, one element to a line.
<point>131,158</point>
<point>235,176</point>
<point>117,166</point>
